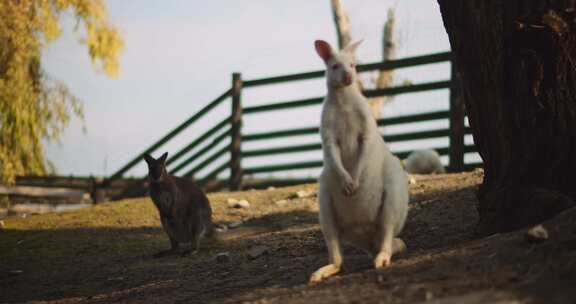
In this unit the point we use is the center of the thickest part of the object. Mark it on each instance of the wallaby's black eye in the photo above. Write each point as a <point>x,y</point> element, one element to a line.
<point>334,66</point>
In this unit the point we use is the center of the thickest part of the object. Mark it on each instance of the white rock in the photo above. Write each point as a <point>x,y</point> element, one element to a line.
<point>243,204</point>
<point>233,203</point>
<point>270,188</point>
<point>257,251</point>
<point>536,234</point>
<point>223,257</point>
<point>115,279</point>
<point>234,224</point>
<point>221,229</point>
<point>304,194</point>
<point>2,224</point>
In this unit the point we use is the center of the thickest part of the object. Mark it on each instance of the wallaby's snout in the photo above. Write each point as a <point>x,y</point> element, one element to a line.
<point>347,79</point>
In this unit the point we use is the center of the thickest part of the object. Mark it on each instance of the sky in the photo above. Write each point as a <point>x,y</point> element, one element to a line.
<point>180,55</point>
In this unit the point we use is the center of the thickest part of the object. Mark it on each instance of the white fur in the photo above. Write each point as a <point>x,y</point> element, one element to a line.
<point>363,188</point>
<point>424,162</point>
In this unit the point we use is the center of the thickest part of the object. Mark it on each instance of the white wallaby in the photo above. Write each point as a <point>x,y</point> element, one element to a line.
<point>424,162</point>
<point>363,188</point>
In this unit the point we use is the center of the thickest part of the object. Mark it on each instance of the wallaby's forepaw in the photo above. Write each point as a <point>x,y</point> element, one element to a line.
<point>323,273</point>
<point>350,186</point>
<point>382,260</point>
<point>164,253</point>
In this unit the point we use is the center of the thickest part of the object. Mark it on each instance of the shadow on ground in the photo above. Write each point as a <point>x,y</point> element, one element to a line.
<point>445,262</point>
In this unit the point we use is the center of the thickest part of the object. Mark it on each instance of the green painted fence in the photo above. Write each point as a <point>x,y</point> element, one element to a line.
<point>230,128</point>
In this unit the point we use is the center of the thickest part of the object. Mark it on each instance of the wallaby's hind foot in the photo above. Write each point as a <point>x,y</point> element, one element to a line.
<point>324,272</point>
<point>384,258</point>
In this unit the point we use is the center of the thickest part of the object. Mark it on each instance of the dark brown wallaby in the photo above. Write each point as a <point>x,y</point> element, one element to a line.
<point>184,209</point>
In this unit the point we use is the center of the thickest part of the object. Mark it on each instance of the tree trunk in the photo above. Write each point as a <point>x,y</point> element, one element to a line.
<point>517,66</point>
<point>342,23</point>
<point>385,77</point>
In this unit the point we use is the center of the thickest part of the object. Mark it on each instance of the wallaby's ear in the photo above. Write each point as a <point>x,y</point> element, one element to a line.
<point>148,158</point>
<point>323,49</point>
<point>162,158</point>
<point>351,48</point>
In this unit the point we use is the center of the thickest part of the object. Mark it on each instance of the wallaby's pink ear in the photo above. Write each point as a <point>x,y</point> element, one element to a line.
<point>351,48</point>
<point>323,49</point>
<point>162,158</point>
<point>148,158</point>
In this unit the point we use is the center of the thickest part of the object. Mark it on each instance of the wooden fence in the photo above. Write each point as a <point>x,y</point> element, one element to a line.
<point>231,128</point>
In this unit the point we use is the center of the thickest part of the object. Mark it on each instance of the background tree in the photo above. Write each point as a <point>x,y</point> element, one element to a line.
<point>385,78</point>
<point>516,62</point>
<point>33,107</point>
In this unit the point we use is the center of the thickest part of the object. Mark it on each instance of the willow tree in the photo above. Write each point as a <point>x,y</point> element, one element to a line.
<point>516,62</point>
<point>33,107</point>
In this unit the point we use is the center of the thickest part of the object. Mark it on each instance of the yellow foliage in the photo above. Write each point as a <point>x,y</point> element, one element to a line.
<point>34,108</point>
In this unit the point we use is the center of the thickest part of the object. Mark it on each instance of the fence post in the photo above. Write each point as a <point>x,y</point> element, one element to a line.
<point>457,130</point>
<point>235,181</point>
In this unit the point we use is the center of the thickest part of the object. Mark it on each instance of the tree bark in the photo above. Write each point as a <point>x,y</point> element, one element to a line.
<point>517,66</point>
<point>342,23</point>
<point>385,77</point>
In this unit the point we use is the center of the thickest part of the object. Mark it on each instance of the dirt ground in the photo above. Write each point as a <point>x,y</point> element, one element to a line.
<point>103,255</point>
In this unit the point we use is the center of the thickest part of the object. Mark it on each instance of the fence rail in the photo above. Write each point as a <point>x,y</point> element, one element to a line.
<point>131,164</point>
<point>207,149</point>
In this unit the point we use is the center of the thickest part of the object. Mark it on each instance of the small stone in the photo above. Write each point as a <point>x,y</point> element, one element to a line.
<point>304,194</point>
<point>411,180</point>
<point>281,203</point>
<point>536,234</point>
<point>257,251</point>
<point>429,295</point>
<point>2,225</point>
<point>270,188</point>
<point>221,228</point>
<point>234,203</point>
<point>234,224</point>
<point>244,204</point>
<point>116,279</point>
<point>15,272</point>
<point>223,257</point>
